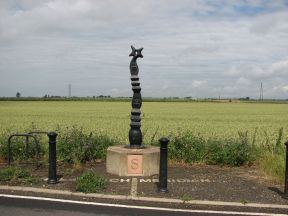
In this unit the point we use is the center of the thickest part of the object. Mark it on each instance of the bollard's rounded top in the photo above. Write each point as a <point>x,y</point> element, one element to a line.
<point>52,134</point>
<point>164,140</point>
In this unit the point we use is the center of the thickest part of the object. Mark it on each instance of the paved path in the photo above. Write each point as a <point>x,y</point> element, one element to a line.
<point>197,190</point>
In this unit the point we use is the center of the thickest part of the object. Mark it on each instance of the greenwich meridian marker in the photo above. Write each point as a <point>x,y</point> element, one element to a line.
<point>134,159</point>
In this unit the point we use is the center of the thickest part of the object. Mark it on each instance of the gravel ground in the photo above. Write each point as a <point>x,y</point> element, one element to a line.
<point>197,182</point>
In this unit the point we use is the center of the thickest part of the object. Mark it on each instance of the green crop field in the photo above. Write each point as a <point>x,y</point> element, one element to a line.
<point>224,133</point>
<point>158,118</point>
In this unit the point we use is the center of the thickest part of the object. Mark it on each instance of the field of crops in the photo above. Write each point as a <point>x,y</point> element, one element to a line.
<point>158,118</point>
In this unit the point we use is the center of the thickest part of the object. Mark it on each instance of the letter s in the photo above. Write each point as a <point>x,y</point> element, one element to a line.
<point>134,163</point>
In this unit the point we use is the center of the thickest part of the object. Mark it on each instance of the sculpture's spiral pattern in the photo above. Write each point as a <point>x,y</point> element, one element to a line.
<point>135,134</point>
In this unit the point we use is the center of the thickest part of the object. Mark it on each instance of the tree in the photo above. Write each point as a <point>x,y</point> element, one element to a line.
<point>18,95</point>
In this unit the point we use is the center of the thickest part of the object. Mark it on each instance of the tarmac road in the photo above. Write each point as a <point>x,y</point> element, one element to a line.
<point>23,206</point>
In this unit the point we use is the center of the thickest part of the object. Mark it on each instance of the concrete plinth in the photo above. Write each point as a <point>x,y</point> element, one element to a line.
<point>133,162</point>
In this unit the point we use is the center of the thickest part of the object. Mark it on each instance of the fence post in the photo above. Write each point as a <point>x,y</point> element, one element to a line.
<point>27,148</point>
<point>163,165</point>
<point>52,176</point>
<point>9,159</point>
<point>286,170</point>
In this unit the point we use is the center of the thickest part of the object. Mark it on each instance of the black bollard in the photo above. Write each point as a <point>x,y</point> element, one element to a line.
<point>163,165</point>
<point>286,171</point>
<point>52,176</point>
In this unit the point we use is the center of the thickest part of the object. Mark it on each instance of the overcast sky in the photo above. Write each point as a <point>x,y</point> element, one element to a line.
<point>197,48</point>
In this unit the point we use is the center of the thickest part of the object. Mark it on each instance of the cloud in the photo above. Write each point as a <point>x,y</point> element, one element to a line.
<point>285,88</point>
<point>198,83</point>
<point>199,48</point>
<point>275,70</point>
<point>243,82</point>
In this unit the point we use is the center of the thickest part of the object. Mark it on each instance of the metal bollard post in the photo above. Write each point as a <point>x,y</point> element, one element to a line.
<point>52,177</point>
<point>163,165</point>
<point>286,171</point>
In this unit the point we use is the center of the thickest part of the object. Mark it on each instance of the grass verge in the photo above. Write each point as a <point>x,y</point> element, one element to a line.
<point>76,146</point>
<point>89,182</point>
<point>15,174</point>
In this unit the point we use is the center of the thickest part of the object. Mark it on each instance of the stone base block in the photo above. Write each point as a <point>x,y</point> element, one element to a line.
<point>123,161</point>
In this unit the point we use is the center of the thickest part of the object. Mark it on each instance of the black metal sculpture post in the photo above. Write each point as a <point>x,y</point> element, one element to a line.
<point>286,171</point>
<point>135,134</point>
<point>163,165</point>
<point>52,176</point>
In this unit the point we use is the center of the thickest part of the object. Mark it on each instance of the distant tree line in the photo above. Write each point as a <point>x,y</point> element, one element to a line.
<point>48,97</point>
